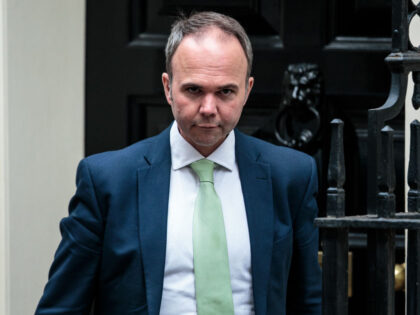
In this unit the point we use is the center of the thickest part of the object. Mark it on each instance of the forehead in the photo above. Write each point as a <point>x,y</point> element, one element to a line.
<point>212,53</point>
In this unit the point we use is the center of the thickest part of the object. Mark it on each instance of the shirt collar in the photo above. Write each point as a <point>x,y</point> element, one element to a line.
<point>183,153</point>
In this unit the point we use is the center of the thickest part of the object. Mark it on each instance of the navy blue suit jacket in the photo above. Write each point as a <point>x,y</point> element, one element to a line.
<point>113,244</point>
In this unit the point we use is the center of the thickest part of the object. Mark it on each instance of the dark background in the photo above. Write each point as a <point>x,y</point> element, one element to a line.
<point>348,40</point>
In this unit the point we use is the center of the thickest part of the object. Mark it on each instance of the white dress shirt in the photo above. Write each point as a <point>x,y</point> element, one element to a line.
<point>178,296</point>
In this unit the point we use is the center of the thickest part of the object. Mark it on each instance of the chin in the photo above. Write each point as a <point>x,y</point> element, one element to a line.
<point>206,141</point>
<point>205,144</point>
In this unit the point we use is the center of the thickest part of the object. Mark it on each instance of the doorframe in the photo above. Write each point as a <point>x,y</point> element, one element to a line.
<point>4,169</point>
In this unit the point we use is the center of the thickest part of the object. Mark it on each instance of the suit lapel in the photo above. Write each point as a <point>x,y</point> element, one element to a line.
<point>257,191</point>
<point>153,196</point>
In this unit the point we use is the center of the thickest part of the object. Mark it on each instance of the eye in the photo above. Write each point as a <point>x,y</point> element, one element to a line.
<point>193,89</point>
<point>226,92</point>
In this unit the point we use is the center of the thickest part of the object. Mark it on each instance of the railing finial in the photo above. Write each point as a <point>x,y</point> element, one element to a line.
<point>336,171</point>
<point>386,174</point>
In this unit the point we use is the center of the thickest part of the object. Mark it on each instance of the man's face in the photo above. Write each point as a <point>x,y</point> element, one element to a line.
<point>208,89</point>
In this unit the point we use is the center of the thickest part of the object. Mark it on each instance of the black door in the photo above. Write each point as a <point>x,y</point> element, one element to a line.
<point>347,40</point>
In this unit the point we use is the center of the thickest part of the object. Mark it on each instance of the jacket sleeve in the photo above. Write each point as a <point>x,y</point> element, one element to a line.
<point>71,282</point>
<point>305,280</point>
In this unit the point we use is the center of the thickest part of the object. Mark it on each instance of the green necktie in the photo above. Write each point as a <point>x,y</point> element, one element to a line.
<point>211,262</point>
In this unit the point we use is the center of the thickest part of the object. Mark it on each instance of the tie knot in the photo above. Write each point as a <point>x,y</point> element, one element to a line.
<point>204,170</point>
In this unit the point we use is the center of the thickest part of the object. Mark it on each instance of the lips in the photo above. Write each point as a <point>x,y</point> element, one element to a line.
<point>207,126</point>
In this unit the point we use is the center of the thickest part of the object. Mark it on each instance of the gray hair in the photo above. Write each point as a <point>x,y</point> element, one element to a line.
<point>197,23</point>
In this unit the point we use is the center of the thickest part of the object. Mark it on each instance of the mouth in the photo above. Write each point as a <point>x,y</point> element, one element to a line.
<point>207,126</point>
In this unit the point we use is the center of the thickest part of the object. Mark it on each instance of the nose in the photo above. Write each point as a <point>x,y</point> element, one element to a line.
<point>208,105</point>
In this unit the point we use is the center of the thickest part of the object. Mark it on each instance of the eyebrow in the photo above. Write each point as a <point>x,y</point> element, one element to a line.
<point>227,86</point>
<point>188,84</point>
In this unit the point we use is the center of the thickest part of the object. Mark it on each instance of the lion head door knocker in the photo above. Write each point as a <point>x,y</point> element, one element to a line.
<point>298,121</point>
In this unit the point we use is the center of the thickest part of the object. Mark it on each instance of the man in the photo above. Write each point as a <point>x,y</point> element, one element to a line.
<point>139,238</point>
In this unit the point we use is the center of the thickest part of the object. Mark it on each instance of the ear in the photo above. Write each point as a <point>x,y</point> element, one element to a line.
<point>249,84</point>
<point>167,87</point>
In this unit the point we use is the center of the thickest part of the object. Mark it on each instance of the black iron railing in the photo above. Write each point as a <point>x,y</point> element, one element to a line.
<point>381,220</point>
